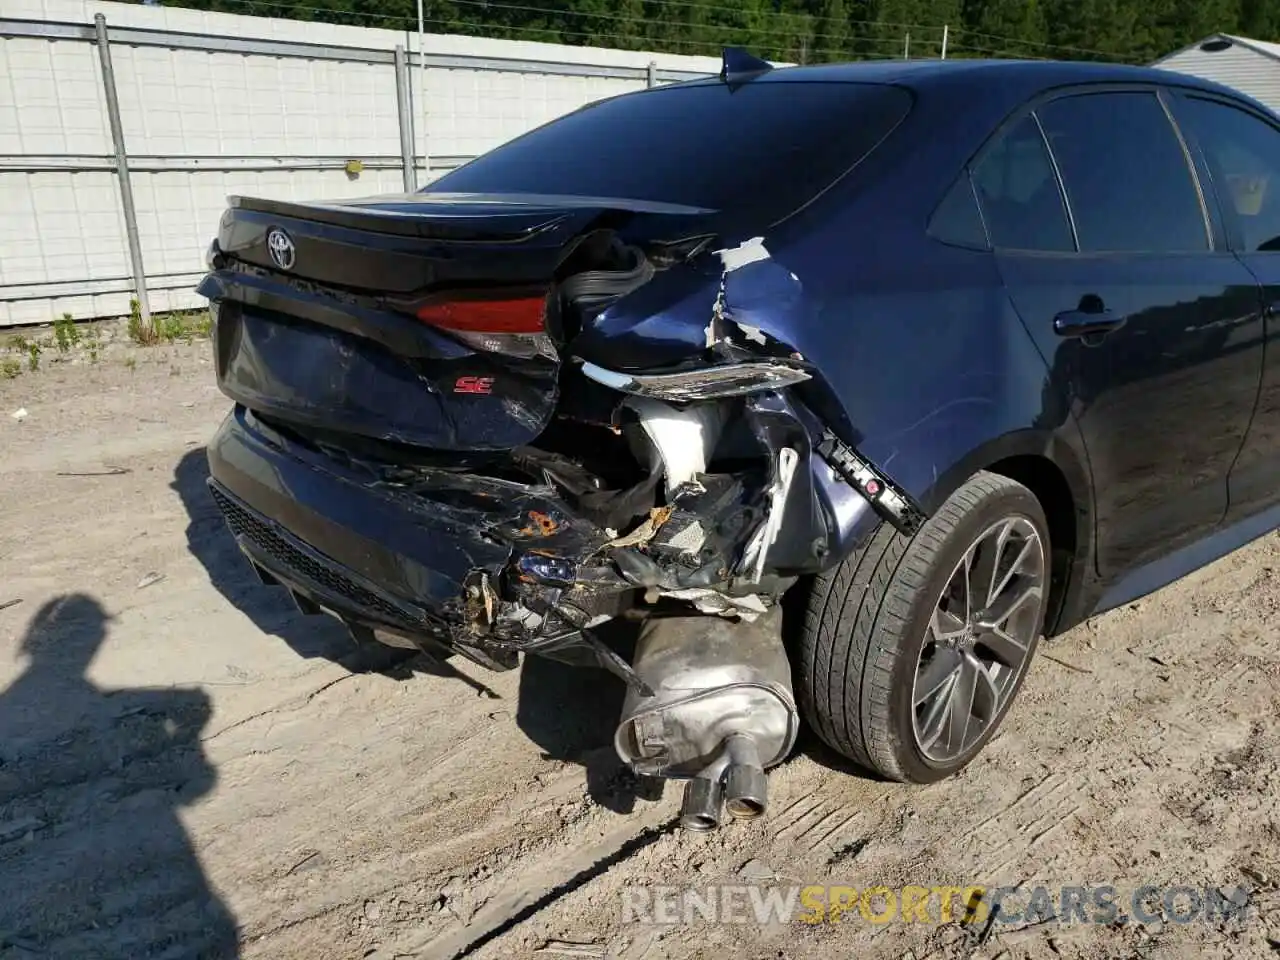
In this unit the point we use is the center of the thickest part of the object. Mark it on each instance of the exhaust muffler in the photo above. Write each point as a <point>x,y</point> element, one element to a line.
<point>722,712</point>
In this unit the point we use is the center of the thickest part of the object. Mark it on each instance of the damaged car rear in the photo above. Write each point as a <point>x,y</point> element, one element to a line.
<point>613,368</point>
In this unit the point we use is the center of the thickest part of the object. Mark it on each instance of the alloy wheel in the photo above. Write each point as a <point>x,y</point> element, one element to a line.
<point>979,638</point>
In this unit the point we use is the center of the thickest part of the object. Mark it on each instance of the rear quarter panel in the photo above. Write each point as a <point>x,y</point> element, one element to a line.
<point>932,369</point>
<point>929,369</point>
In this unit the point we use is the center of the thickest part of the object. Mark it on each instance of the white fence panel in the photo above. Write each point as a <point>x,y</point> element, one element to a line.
<point>470,111</point>
<point>215,104</point>
<point>51,99</point>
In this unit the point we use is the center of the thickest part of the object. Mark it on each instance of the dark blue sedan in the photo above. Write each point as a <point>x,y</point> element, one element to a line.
<point>817,392</point>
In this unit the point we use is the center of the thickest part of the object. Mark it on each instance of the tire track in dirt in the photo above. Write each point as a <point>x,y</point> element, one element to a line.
<point>1071,793</point>
<point>540,886</point>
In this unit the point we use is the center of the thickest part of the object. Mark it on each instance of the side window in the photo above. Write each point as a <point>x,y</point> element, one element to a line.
<point>1243,153</point>
<point>1019,195</point>
<point>956,220</point>
<point>1125,173</point>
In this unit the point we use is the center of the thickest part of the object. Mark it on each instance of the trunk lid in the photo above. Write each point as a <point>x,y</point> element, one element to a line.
<point>438,319</point>
<point>434,320</point>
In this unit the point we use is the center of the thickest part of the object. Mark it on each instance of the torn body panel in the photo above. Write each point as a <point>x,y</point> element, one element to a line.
<point>499,565</point>
<point>707,480</point>
<point>616,421</point>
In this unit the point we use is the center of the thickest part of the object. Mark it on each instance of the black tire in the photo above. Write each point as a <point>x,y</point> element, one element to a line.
<point>865,625</point>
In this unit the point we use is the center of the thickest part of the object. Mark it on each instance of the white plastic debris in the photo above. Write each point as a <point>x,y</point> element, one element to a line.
<point>683,437</point>
<point>749,607</point>
<point>747,252</point>
<point>768,534</point>
<point>20,414</point>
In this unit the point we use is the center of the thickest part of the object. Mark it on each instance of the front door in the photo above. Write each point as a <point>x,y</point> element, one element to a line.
<point>1113,263</point>
<point>1241,150</point>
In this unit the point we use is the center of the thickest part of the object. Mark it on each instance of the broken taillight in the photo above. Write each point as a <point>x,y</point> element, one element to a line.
<point>513,316</point>
<point>514,324</point>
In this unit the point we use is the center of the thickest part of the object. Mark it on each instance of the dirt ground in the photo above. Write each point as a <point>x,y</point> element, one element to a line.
<point>184,760</point>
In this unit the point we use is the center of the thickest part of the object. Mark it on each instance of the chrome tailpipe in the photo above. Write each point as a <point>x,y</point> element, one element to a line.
<point>721,714</point>
<point>746,790</point>
<point>734,783</point>
<point>703,805</point>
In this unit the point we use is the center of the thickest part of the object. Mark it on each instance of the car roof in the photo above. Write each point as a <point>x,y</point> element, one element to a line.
<point>1027,76</point>
<point>928,71</point>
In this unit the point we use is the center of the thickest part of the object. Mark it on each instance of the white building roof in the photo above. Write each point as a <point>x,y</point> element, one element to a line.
<point>1250,66</point>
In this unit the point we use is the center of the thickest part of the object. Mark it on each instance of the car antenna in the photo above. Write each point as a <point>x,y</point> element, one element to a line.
<point>738,65</point>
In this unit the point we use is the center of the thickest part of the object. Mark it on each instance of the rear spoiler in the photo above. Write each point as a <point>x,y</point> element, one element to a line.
<point>480,224</point>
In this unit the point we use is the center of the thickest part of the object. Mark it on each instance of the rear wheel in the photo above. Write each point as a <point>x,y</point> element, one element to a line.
<point>914,648</point>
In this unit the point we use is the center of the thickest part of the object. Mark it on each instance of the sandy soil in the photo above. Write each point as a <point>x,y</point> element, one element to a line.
<point>186,764</point>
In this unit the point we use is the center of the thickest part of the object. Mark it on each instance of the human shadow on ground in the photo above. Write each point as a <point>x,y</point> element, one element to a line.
<point>94,860</point>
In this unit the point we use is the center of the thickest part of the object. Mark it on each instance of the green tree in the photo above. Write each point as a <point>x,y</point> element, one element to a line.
<point>807,30</point>
<point>831,32</point>
<point>1022,22</point>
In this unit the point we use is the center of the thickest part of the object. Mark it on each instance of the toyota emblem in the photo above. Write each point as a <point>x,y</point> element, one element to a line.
<point>280,247</point>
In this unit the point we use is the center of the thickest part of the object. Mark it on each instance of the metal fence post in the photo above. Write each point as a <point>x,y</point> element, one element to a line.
<point>122,169</point>
<point>405,113</point>
<point>652,77</point>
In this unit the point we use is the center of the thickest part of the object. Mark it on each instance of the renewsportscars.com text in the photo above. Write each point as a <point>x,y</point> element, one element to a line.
<point>814,904</point>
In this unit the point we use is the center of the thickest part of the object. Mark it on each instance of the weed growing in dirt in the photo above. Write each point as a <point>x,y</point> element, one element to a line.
<point>93,339</point>
<point>176,325</point>
<point>10,368</point>
<point>33,356</point>
<point>139,332</point>
<point>131,363</point>
<point>187,325</point>
<point>65,333</point>
<point>172,327</point>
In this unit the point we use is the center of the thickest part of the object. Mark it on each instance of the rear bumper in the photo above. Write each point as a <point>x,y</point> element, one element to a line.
<point>379,557</point>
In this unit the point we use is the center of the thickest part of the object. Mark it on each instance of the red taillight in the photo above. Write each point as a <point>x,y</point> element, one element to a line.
<point>521,315</point>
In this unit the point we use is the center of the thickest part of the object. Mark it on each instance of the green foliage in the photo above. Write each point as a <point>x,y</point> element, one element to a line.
<point>33,356</point>
<point>65,333</point>
<point>139,332</point>
<point>807,31</point>
<point>172,327</point>
<point>9,368</point>
<point>183,325</point>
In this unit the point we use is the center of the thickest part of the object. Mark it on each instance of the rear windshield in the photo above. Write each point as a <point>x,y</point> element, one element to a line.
<point>769,146</point>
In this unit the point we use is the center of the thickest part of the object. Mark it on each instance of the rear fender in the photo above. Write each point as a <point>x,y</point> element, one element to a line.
<point>1074,572</point>
<point>923,389</point>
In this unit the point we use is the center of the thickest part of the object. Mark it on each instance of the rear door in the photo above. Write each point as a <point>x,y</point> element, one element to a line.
<point>1240,148</point>
<point>1118,269</point>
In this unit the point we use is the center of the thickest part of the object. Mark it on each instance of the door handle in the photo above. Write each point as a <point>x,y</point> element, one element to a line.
<point>1086,323</point>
